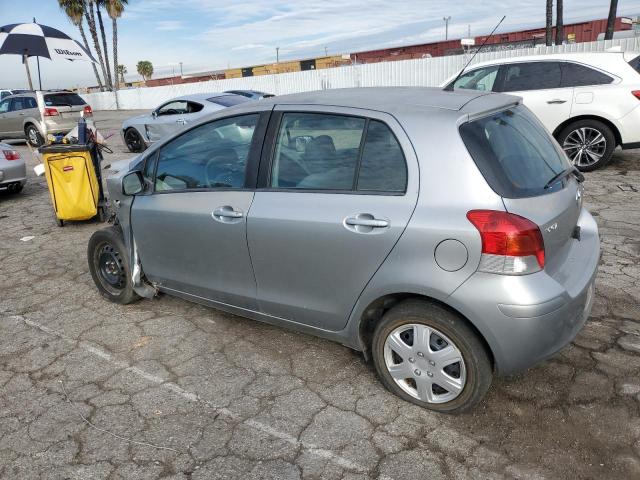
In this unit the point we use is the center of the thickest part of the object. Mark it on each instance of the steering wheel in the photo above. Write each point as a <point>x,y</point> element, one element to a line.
<point>170,111</point>
<point>213,176</point>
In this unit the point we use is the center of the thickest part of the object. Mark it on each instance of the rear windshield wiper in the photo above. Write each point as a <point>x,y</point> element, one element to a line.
<point>579,176</point>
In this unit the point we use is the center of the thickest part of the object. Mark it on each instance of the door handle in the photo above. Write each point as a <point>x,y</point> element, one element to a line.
<point>181,122</point>
<point>226,214</point>
<point>367,222</point>
<point>556,101</point>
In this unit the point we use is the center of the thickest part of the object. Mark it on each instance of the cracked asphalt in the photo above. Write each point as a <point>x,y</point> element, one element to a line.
<point>168,389</point>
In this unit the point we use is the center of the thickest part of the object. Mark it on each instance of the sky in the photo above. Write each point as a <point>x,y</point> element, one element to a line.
<point>209,35</point>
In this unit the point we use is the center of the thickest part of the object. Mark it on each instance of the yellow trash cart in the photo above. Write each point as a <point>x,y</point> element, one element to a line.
<point>74,181</point>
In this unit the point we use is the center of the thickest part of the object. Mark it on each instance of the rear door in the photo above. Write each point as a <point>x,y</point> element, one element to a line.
<point>190,230</point>
<point>5,119</point>
<point>336,192</point>
<point>540,86</point>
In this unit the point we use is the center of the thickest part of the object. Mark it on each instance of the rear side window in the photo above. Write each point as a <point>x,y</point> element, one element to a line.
<point>514,153</point>
<point>531,76</point>
<point>383,167</point>
<point>63,100</point>
<point>635,64</point>
<point>228,100</point>
<point>574,75</point>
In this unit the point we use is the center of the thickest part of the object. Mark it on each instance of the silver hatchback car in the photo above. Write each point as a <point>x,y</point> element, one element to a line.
<point>441,233</point>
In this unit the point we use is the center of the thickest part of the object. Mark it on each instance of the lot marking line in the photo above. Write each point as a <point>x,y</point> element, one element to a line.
<point>193,397</point>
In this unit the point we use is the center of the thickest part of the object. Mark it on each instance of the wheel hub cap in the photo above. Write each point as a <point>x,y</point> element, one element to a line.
<point>585,146</point>
<point>111,267</point>
<point>425,363</point>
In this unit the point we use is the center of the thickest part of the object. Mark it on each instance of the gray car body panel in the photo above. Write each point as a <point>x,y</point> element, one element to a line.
<point>523,319</point>
<point>11,171</point>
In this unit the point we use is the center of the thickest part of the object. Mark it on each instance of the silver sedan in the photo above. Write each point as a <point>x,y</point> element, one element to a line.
<point>141,131</point>
<point>13,173</point>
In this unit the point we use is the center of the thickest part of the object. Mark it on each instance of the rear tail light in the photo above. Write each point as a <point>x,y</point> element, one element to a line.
<point>87,111</point>
<point>11,154</point>
<point>50,112</point>
<point>636,93</point>
<point>511,244</point>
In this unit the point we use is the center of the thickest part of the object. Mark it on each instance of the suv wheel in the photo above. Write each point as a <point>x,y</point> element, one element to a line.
<point>589,144</point>
<point>33,136</point>
<point>109,266</point>
<point>429,356</point>
<point>134,141</point>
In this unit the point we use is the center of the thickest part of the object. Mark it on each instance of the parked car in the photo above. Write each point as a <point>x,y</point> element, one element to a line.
<point>34,115</point>
<point>5,93</point>
<point>441,233</point>
<point>590,102</point>
<point>252,94</point>
<point>141,131</point>
<point>13,172</point>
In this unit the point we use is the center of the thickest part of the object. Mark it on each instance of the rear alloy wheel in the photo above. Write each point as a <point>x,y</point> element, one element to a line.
<point>589,144</point>
<point>429,356</point>
<point>33,136</point>
<point>109,266</point>
<point>134,141</point>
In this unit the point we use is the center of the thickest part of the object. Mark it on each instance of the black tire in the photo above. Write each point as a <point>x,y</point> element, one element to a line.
<point>33,136</point>
<point>572,151</point>
<point>109,266</point>
<point>133,140</point>
<point>477,363</point>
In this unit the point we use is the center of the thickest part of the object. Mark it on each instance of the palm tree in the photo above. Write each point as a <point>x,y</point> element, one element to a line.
<point>115,9</point>
<point>611,20</point>
<point>99,5</point>
<point>145,69</point>
<point>549,26</point>
<point>91,21</point>
<point>74,9</point>
<point>559,23</point>
<point>121,69</point>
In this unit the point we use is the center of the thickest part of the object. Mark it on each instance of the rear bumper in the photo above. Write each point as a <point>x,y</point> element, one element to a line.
<point>629,127</point>
<point>13,173</point>
<point>528,318</point>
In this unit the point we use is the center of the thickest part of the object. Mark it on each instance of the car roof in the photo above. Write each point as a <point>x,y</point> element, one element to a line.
<point>393,99</point>
<point>201,97</point>
<point>593,58</point>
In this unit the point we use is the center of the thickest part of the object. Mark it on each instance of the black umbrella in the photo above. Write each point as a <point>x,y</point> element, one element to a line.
<point>35,40</point>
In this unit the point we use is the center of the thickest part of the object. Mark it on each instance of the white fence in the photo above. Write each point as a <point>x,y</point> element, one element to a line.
<point>426,72</point>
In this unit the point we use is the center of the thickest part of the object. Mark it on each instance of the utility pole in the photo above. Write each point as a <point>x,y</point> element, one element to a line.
<point>325,52</point>
<point>180,69</point>
<point>446,26</point>
<point>277,54</point>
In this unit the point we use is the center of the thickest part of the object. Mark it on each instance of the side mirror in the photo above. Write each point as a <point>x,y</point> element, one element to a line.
<point>154,114</point>
<point>132,183</point>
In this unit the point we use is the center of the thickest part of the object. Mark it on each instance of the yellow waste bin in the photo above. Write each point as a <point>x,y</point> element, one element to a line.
<point>73,178</point>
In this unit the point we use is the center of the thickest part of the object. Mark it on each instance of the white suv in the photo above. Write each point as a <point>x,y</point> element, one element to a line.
<point>590,102</point>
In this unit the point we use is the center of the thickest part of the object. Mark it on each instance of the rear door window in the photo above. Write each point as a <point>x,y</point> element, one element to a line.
<point>17,104</point>
<point>531,76</point>
<point>317,151</point>
<point>480,79</point>
<point>575,75</point>
<point>64,99</point>
<point>514,153</point>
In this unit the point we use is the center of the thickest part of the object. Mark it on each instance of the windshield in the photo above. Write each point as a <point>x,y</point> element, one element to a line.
<point>514,153</point>
<point>63,100</point>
